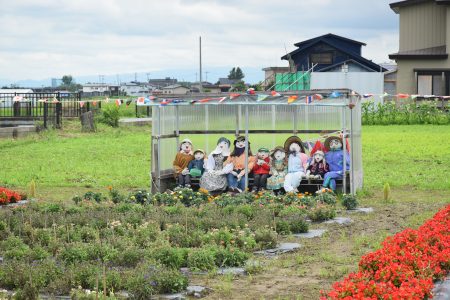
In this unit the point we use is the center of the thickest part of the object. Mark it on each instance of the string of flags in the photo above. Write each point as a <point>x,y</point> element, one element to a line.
<point>273,95</point>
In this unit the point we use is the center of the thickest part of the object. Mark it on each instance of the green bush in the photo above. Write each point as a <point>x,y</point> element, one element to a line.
<point>327,198</point>
<point>110,115</point>
<point>298,225</point>
<point>139,196</point>
<point>349,201</point>
<point>201,259</point>
<point>282,227</point>
<point>230,257</point>
<point>321,213</point>
<point>265,238</point>
<point>174,258</point>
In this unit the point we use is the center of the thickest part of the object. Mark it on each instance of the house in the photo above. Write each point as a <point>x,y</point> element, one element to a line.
<point>100,89</point>
<point>422,58</point>
<point>135,88</point>
<point>160,83</point>
<point>175,89</point>
<point>330,62</point>
<point>225,84</point>
<point>270,73</point>
<point>331,53</point>
<point>207,87</point>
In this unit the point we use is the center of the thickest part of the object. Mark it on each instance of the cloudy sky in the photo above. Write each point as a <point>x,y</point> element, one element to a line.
<point>50,38</point>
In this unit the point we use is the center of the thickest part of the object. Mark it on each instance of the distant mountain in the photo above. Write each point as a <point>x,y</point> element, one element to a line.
<point>252,75</point>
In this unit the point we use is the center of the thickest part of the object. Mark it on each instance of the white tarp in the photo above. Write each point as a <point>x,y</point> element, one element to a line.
<point>360,82</point>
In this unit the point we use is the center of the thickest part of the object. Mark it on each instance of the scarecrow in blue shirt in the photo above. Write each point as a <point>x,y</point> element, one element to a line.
<point>335,159</point>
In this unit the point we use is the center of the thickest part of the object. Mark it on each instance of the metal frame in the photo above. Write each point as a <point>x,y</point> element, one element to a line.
<point>346,132</point>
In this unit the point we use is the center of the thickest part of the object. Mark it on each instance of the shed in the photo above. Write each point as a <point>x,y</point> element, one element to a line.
<point>266,123</point>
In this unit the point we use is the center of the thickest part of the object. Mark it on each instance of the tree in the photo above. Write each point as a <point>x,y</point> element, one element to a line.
<point>236,73</point>
<point>67,80</point>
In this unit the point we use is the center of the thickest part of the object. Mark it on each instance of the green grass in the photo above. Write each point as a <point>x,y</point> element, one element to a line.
<point>405,156</point>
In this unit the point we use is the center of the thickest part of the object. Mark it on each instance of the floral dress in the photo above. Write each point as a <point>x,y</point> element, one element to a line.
<point>213,182</point>
<point>276,182</point>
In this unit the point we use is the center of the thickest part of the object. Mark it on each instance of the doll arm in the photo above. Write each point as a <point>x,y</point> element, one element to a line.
<point>227,168</point>
<point>176,165</point>
<point>191,165</point>
<point>209,164</point>
<point>251,164</point>
<point>266,166</point>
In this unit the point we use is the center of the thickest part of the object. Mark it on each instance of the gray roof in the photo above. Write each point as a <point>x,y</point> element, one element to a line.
<point>439,52</point>
<point>396,5</point>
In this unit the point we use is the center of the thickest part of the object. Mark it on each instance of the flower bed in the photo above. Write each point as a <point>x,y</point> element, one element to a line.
<point>8,196</point>
<point>405,266</point>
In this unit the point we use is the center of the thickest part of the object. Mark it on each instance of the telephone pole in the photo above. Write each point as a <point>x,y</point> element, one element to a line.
<point>200,85</point>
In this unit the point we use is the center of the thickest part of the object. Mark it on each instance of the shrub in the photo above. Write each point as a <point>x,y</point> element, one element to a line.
<point>230,257</point>
<point>110,116</point>
<point>321,213</point>
<point>265,238</point>
<point>116,196</point>
<point>201,259</point>
<point>349,201</point>
<point>91,196</point>
<point>174,258</point>
<point>253,267</point>
<point>327,198</point>
<point>139,196</point>
<point>129,257</point>
<point>282,227</point>
<point>15,248</point>
<point>74,253</point>
<point>298,225</point>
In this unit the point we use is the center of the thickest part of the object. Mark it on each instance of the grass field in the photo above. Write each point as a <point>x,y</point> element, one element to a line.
<point>414,160</point>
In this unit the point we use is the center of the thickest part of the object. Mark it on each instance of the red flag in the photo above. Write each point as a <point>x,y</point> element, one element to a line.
<point>81,103</point>
<point>118,102</point>
<point>94,103</point>
<point>402,96</point>
<point>292,99</point>
<point>275,94</point>
<point>234,95</point>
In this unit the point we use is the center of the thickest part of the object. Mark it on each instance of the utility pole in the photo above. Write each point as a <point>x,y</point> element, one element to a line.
<point>200,44</point>
<point>135,76</point>
<point>206,73</point>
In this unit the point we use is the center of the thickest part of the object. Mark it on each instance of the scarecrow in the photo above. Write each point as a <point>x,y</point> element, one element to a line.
<point>297,163</point>
<point>335,159</point>
<point>181,162</point>
<point>215,179</point>
<point>261,170</point>
<point>236,178</point>
<point>278,170</point>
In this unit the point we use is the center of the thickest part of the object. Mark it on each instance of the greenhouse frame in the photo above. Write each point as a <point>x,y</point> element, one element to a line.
<point>266,120</point>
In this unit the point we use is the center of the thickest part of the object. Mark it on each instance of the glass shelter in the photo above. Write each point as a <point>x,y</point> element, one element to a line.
<point>265,119</point>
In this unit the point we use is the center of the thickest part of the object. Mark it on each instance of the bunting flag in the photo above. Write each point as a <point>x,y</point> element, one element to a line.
<point>414,96</point>
<point>128,102</point>
<point>42,100</point>
<point>317,97</point>
<point>94,103</point>
<point>152,98</point>
<point>55,100</point>
<point>367,95</point>
<point>140,100</point>
<point>118,102</point>
<point>81,104</point>
<point>275,94</point>
<point>309,99</point>
<point>147,101</point>
<point>260,98</point>
<point>17,98</point>
<point>165,102</point>
<point>222,99</point>
<point>402,96</point>
<point>384,95</point>
<point>234,95</point>
<point>204,100</point>
<point>251,91</point>
<point>292,99</point>
<point>335,94</point>
<point>106,100</point>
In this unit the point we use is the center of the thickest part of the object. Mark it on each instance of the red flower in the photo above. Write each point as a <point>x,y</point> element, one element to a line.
<point>8,196</point>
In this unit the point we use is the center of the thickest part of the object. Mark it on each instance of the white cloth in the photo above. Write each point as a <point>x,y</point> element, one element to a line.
<point>292,181</point>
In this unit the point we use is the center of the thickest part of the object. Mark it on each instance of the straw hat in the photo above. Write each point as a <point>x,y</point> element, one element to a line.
<point>329,139</point>
<point>200,150</point>
<point>278,148</point>
<point>291,140</point>
<point>185,141</point>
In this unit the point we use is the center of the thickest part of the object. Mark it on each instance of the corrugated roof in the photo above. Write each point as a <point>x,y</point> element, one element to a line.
<point>396,5</point>
<point>439,52</point>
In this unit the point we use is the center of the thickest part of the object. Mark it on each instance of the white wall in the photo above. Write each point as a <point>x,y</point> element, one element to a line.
<point>360,82</point>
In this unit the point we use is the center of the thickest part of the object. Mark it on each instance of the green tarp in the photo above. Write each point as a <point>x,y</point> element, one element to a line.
<point>285,81</point>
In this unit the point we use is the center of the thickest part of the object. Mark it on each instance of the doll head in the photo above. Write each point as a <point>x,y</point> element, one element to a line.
<point>263,153</point>
<point>199,154</point>
<point>223,146</point>
<point>278,154</point>
<point>294,145</point>
<point>318,156</point>
<point>239,146</point>
<point>333,143</point>
<point>186,146</point>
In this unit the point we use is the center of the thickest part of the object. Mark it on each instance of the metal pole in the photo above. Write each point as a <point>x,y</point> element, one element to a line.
<point>344,170</point>
<point>238,119</point>
<point>246,147</point>
<point>177,126</point>
<point>158,165</point>
<point>274,116</point>
<point>207,127</point>
<point>352,149</point>
<point>200,85</point>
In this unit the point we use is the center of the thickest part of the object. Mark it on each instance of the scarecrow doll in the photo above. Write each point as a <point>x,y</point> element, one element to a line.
<point>197,165</point>
<point>297,163</point>
<point>318,165</point>
<point>335,159</point>
<point>181,162</point>
<point>215,179</point>
<point>278,170</point>
<point>236,180</point>
<point>261,170</point>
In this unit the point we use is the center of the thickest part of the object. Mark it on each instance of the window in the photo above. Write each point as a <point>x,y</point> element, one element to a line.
<point>430,84</point>
<point>325,58</point>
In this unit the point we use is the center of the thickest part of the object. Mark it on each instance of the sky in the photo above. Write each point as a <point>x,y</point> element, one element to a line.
<point>42,39</point>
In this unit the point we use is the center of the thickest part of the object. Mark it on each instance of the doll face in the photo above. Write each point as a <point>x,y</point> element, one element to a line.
<point>223,145</point>
<point>186,147</point>
<point>294,147</point>
<point>263,155</point>
<point>335,144</point>
<point>279,155</point>
<point>240,144</point>
<point>199,155</point>
<point>318,157</point>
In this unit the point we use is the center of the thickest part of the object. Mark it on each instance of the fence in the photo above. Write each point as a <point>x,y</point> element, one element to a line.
<point>48,107</point>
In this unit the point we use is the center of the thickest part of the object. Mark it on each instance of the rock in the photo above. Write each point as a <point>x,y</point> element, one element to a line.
<point>198,291</point>
<point>282,248</point>
<point>177,296</point>
<point>122,295</point>
<point>340,221</point>
<point>1,259</point>
<point>441,290</point>
<point>311,233</point>
<point>365,210</point>
<point>234,271</point>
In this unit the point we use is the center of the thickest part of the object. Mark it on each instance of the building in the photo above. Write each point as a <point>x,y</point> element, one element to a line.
<point>160,83</point>
<point>100,89</point>
<point>422,58</point>
<point>225,84</point>
<point>138,89</point>
<point>270,73</point>
<point>175,89</point>
<point>207,87</point>
<point>331,53</point>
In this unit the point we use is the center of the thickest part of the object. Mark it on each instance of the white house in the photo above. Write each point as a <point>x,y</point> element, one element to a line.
<point>136,88</point>
<point>100,89</point>
<point>175,89</point>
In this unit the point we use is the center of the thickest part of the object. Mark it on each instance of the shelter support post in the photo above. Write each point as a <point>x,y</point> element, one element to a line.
<point>158,154</point>
<point>177,125</point>
<point>344,148</point>
<point>352,150</point>
<point>206,127</point>
<point>246,147</point>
